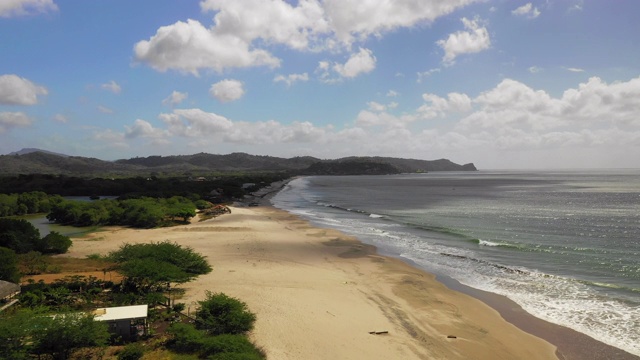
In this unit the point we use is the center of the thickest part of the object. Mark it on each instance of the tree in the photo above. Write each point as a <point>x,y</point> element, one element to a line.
<point>149,266</point>
<point>9,265</point>
<point>18,235</point>
<point>15,330</point>
<point>55,243</point>
<point>61,334</point>
<point>221,314</point>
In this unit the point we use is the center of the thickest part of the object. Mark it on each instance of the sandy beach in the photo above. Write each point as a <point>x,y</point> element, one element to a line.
<point>319,294</point>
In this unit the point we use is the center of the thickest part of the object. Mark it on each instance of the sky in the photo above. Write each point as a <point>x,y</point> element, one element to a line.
<point>504,84</point>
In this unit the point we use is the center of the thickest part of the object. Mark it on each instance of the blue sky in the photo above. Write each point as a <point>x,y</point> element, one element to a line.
<point>503,84</point>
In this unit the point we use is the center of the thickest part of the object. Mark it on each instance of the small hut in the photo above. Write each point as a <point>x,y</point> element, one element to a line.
<point>127,322</point>
<point>8,290</point>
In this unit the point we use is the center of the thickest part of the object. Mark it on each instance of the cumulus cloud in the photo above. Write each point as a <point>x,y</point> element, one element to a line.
<point>438,106</point>
<point>374,106</point>
<point>190,47</point>
<point>474,40</point>
<point>15,90</point>
<point>356,20</point>
<point>291,78</point>
<point>144,129</point>
<point>227,90</point>
<point>528,10</point>
<point>509,118</point>
<point>12,8</point>
<point>242,31</point>
<point>513,106</point>
<point>359,63</point>
<point>112,86</point>
<point>175,98</point>
<point>10,120</point>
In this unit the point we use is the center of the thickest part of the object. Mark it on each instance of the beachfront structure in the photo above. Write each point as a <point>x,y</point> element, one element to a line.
<point>8,290</point>
<point>127,322</point>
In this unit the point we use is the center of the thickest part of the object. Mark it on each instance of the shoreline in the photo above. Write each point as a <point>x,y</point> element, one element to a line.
<point>570,344</point>
<point>319,293</point>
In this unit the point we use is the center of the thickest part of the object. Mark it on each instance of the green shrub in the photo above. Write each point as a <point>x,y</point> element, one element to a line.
<point>229,346</point>
<point>131,352</point>
<point>185,338</point>
<point>220,314</point>
<point>179,307</point>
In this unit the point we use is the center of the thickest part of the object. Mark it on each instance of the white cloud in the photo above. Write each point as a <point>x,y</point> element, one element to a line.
<point>15,90</point>
<point>359,63</point>
<point>227,90</point>
<point>144,129</point>
<point>424,74</point>
<point>374,106</point>
<point>243,30</point>
<point>353,20</point>
<point>11,8</point>
<point>474,40</point>
<point>572,69</point>
<point>291,78</point>
<point>392,93</point>
<point>60,118</point>
<point>175,98</point>
<point>10,120</point>
<point>190,47</point>
<point>527,10</point>
<point>273,21</point>
<point>112,86</point>
<point>195,123</point>
<point>104,109</point>
<point>438,106</point>
<point>508,125</point>
<point>377,118</point>
<point>535,69</point>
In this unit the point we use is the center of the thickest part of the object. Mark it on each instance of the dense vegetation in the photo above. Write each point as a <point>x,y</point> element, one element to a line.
<point>153,185</point>
<point>22,237</point>
<point>26,203</point>
<point>34,332</point>
<point>52,321</point>
<point>221,323</point>
<point>141,213</point>
<point>152,267</point>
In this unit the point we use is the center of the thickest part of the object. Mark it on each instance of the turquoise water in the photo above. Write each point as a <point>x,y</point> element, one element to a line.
<point>564,245</point>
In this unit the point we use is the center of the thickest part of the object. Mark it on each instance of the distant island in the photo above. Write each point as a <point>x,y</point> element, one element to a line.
<point>37,161</point>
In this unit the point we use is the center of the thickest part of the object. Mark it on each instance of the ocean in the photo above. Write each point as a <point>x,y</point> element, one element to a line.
<point>564,245</point>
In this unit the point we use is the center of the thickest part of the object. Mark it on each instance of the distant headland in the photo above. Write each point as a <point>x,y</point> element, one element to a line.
<point>32,161</point>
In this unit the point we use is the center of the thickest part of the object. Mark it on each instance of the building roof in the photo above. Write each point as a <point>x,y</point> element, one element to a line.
<point>121,312</point>
<point>8,289</point>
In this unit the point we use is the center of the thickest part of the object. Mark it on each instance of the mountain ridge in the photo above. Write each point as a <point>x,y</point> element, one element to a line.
<point>33,160</point>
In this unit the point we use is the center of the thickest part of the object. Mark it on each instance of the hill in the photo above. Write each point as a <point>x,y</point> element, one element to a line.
<point>34,161</point>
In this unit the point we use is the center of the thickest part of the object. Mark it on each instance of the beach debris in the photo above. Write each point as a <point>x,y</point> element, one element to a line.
<point>451,337</point>
<point>378,332</point>
<point>330,313</point>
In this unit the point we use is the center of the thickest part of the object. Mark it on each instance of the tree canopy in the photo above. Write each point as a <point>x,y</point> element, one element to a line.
<point>22,237</point>
<point>148,266</point>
